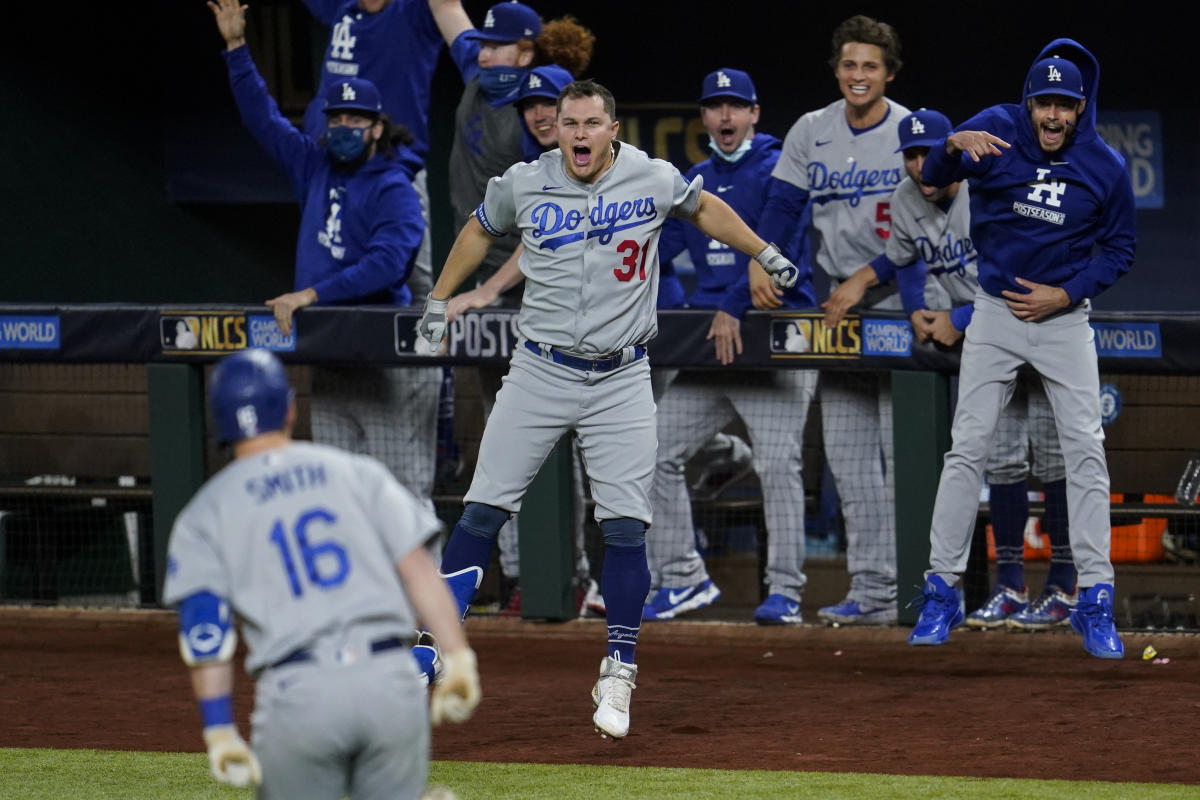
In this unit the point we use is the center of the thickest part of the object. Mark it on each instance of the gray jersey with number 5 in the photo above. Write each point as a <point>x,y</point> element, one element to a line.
<point>849,176</point>
<point>303,541</point>
<point>591,249</point>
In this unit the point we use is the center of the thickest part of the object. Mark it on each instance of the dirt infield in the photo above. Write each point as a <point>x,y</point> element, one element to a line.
<point>726,696</point>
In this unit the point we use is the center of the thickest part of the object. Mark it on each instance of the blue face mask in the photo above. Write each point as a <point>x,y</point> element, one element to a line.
<point>499,82</point>
<point>344,143</point>
<point>738,152</point>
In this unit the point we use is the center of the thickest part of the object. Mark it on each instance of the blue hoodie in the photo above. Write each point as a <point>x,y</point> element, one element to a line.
<point>360,229</point>
<point>721,271</point>
<point>1065,219</point>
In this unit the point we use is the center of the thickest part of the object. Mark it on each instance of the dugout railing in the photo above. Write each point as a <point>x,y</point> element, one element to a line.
<point>176,343</point>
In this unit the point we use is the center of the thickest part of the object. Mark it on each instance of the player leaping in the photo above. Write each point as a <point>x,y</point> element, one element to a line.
<point>589,215</point>
<point>1053,216</point>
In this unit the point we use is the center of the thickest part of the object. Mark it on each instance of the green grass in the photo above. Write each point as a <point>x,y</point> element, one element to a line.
<point>38,774</point>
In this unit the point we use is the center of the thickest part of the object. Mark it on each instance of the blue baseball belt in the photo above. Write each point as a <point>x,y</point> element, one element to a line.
<point>600,364</point>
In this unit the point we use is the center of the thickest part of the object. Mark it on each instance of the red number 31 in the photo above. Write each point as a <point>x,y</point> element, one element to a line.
<point>631,261</point>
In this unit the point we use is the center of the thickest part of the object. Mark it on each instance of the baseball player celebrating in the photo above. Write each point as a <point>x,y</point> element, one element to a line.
<point>319,554</point>
<point>700,403</point>
<point>933,257</point>
<point>588,215</point>
<point>840,164</point>
<point>360,231</point>
<point>1053,217</point>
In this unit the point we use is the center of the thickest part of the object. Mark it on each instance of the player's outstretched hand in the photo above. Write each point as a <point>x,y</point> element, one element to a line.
<point>976,144</point>
<point>231,20</point>
<point>230,758</point>
<point>457,694</point>
<point>726,330</point>
<point>432,326</point>
<point>783,273</point>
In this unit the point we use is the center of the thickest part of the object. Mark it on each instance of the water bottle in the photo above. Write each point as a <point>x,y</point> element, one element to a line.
<point>1189,482</point>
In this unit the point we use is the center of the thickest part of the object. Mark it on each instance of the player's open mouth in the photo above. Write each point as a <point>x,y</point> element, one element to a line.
<point>859,88</point>
<point>543,127</point>
<point>1052,133</point>
<point>725,135</point>
<point>581,155</point>
<point>926,189</point>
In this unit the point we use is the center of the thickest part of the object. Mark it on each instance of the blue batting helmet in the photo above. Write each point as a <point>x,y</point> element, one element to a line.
<point>249,394</point>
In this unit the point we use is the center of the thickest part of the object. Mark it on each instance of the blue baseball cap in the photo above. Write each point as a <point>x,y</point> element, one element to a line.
<point>353,94</point>
<point>923,128</point>
<point>727,82</point>
<point>508,23</point>
<point>545,81</point>
<point>1054,75</point>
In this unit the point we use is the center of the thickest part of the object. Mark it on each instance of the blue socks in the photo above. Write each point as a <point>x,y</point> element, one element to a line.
<point>625,583</point>
<point>1009,504</point>
<point>471,545</point>
<point>1054,525</point>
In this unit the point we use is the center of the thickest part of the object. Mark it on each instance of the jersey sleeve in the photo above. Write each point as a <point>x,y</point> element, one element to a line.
<point>792,166</point>
<point>464,52</point>
<point>686,196</point>
<point>193,562</point>
<point>498,211</point>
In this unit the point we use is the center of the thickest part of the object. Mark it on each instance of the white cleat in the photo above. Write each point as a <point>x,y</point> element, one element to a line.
<point>611,696</point>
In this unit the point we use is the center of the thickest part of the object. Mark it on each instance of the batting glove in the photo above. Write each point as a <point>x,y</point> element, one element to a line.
<point>457,694</point>
<point>783,273</point>
<point>230,758</point>
<point>432,326</point>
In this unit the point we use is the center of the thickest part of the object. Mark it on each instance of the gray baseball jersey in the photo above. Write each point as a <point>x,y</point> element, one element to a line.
<point>609,302</point>
<point>941,237</point>
<point>591,283</point>
<point>303,542</point>
<point>849,176</point>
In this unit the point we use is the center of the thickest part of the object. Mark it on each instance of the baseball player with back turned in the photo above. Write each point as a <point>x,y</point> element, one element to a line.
<point>933,258</point>
<point>1052,215</point>
<point>320,555</point>
<point>588,215</point>
<point>841,162</point>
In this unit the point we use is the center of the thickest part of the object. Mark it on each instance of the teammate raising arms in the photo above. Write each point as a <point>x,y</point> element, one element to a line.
<point>588,215</point>
<point>1053,217</point>
<point>841,162</point>
<point>319,554</point>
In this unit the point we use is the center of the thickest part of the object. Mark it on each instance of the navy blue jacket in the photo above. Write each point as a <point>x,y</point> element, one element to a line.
<point>359,229</point>
<point>1065,219</point>
<point>721,271</point>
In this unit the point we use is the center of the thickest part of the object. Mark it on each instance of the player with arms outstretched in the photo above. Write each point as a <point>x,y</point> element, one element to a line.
<point>588,215</point>
<point>320,555</point>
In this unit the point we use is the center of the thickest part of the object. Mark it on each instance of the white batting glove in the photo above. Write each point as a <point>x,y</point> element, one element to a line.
<point>783,273</point>
<point>456,695</point>
<point>229,757</point>
<point>432,326</point>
